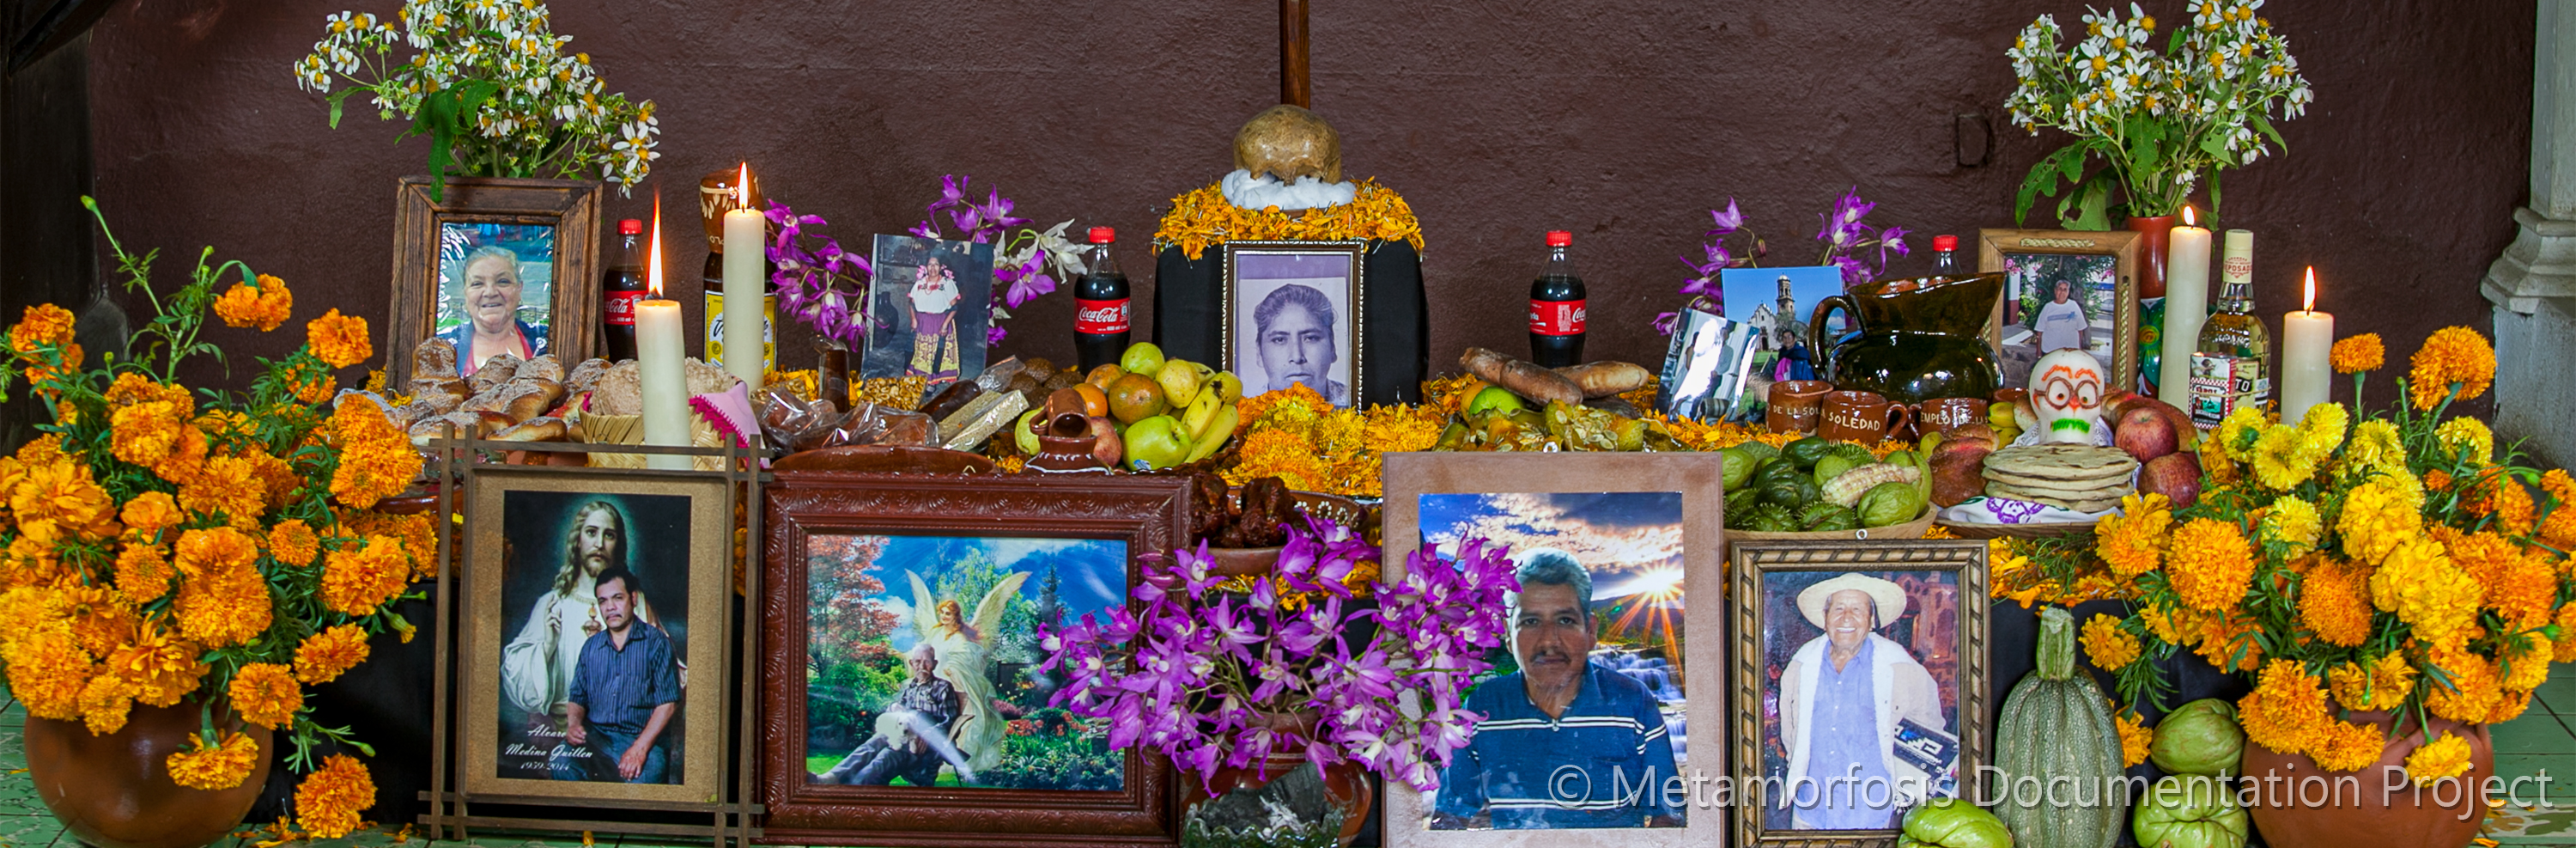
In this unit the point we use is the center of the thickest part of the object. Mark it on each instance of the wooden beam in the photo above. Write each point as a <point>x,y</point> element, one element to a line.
<point>1293,88</point>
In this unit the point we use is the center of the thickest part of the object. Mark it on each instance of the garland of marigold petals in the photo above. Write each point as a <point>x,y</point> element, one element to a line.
<point>1204,217</point>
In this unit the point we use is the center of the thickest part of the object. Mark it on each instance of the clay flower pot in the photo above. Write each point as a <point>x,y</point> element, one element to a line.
<point>2404,818</point>
<point>1345,785</point>
<point>2152,233</point>
<point>114,791</point>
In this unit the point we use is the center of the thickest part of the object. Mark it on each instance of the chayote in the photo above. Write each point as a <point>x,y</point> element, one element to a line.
<point>2193,811</point>
<point>1890,503</point>
<point>2200,737</point>
<point>1952,823</point>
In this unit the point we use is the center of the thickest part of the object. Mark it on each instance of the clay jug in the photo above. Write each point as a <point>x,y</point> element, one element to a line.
<point>1919,339</point>
<point>2404,818</point>
<point>114,790</point>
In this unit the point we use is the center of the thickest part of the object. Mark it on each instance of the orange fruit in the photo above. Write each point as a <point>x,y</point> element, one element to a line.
<point>1101,377</point>
<point>1134,397</point>
<point>1094,400</point>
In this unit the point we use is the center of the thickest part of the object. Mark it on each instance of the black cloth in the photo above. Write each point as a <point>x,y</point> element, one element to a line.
<point>1189,310</point>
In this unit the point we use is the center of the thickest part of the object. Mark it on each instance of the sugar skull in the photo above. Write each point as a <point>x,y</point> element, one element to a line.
<point>2066,389</point>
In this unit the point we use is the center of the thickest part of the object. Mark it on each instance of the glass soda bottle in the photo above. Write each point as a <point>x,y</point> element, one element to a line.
<point>1556,312</point>
<point>1100,305</point>
<point>620,288</point>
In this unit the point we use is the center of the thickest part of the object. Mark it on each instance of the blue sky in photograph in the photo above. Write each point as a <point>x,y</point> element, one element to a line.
<point>1094,571</point>
<point>1630,541</point>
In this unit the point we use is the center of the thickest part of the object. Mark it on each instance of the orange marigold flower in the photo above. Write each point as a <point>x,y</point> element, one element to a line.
<point>2136,739</point>
<point>2286,712</point>
<point>329,800</point>
<point>47,671</point>
<point>64,493</point>
<point>2334,601</point>
<point>293,543</point>
<point>2133,542</point>
<point>131,388</point>
<point>142,573</point>
<point>2355,354</point>
<point>2509,706</point>
<point>2345,746</point>
<point>214,549</point>
<point>222,601</point>
<point>187,457</point>
<point>339,339</point>
<point>228,486</point>
<point>220,767</point>
<point>99,621</point>
<point>2565,648</point>
<point>376,458</point>
<point>2447,756</point>
<point>2451,356</point>
<point>2108,647</point>
<point>2425,588</point>
<point>150,513</point>
<point>324,656</point>
<point>2210,563</point>
<point>266,694</point>
<point>264,307</point>
<point>2473,688</point>
<point>2227,641</point>
<point>162,667</point>
<point>145,433</point>
<point>41,324</point>
<point>355,582</point>
<point>2437,480</point>
<point>105,703</point>
<point>2559,529</point>
<point>2381,685</point>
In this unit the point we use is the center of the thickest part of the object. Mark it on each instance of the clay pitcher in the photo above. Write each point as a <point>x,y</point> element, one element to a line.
<point>1919,339</point>
<point>114,790</point>
<point>2445,814</point>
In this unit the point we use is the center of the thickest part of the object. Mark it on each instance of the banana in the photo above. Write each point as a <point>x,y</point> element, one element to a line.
<point>1218,431</point>
<point>1202,411</point>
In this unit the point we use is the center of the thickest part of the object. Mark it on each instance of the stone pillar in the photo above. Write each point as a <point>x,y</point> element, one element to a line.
<point>2533,285</point>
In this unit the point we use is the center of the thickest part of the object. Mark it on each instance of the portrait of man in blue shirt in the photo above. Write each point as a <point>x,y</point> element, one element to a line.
<point>625,690</point>
<point>1842,697</point>
<point>1565,742</point>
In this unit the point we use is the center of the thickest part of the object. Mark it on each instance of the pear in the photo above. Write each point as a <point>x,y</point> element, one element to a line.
<point>1142,358</point>
<point>1229,388</point>
<point>1202,410</point>
<point>1218,430</point>
<point>1023,434</point>
<point>1180,382</point>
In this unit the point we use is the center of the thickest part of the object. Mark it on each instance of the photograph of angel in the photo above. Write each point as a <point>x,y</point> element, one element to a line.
<point>922,661</point>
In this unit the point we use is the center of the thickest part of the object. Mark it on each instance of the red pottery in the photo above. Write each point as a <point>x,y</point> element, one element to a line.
<point>2151,231</point>
<point>2403,818</point>
<point>114,790</point>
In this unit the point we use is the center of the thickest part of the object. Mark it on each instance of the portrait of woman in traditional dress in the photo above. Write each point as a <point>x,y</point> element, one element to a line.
<point>934,325</point>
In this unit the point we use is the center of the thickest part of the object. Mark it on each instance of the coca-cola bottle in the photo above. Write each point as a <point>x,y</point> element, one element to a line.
<point>620,288</point>
<point>1556,308</point>
<point>1945,259</point>
<point>1100,305</point>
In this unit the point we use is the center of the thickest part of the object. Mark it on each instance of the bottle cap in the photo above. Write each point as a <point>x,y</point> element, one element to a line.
<point>1945,244</point>
<point>630,227</point>
<point>1103,235</point>
<point>1559,238</point>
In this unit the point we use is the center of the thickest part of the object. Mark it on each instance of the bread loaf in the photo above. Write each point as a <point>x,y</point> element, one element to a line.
<point>545,367</point>
<point>436,426</point>
<point>707,379</point>
<point>585,376</point>
<point>533,430</point>
<point>434,358</point>
<point>488,423</point>
<point>530,397</point>
<point>620,391</point>
<point>443,394</point>
<point>496,370</point>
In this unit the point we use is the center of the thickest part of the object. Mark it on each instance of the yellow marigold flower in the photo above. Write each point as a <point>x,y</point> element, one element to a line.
<point>2451,356</point>
<point>2235,436</point>
<point>264,307</point>
<point>340,340</point>
<point>356,582</point>
<point>2473,689</point>
<point>105,703</point>
<point>2108,647</point>
<point>2210,564</point>
<point>2322,431</point>
<point>2381,685</point>
<point>161,667</point>
<point>2355,354</point>
<point>2162,622</point>
<point>150,513</point>
<point>2376,448</point>
<point>1279,453</point>
<point>142,573</point>
<point>2133,542</point>
<point>266,694</point>
<point>2447,756</point>
<point>41,324</point>
<point>293,543</point>
<point>2135,739</point>
<point>2294,522</point>
<point>2279,463</point>
<point>376,458</point>
<point>47,671</point>
<point>2345,746</point>
<point>2524,661</point>
<point>221,767</point>
<point>2425,588</point>
<point>2286,712</point>
<point>327,803</point>
<point>2467,434</point>
<point>2379,514</point>
<point>2334,601</point>
<point>228,486</point>
<point>324,656</point>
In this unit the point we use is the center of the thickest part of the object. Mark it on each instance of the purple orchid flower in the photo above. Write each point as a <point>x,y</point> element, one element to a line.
<point>1728,219</point>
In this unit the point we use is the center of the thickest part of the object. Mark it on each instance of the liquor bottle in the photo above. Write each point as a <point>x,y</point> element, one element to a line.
<point>715,198</point>
<point>1100,305</point>
<point>2231,364</point>
<point>620,288</point>
<point>1556,308</point>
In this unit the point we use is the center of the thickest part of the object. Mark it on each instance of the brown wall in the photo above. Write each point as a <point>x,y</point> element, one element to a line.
<point>1621,120</point>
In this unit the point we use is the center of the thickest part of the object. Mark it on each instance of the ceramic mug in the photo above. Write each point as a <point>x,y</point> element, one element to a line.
<point>1942,415</point>
<point>1794,405</point>
<point>1862,417</point>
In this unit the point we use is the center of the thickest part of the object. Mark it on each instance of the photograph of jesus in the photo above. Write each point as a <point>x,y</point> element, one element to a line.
<point>1844,697</point>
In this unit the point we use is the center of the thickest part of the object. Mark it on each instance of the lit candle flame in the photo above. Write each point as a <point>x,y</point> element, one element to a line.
<point>653,264</point>
<point>2188,219</point>
<point>742,188</point>
<point>2312,290</point>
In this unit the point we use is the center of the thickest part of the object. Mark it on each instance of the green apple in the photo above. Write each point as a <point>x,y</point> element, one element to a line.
<point>1142,358</point>
<point>1202,410</point>
<point>1022,435</point>
<point>1229,388</point>
<point>1180,382</point>
<point>1218,430</point>
<point>1156,442</point>
<point>1494,399</point>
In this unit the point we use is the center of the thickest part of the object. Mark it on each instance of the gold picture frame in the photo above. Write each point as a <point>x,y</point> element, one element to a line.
<point>1242,301</point>
<point>1942,586</point>
<point>2029,257</point>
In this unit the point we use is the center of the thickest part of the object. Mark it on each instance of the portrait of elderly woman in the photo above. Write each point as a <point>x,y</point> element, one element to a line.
<point>1292,323</point>
<point>494,290</point>
<point>1858,723</point>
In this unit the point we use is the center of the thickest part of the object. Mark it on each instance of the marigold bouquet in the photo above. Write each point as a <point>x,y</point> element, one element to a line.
<point>2401,564</point>
<point>212,549</point>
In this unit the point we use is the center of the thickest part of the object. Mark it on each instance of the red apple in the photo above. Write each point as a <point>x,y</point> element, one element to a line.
<point>2175,476</point>
<point>2144,433</point>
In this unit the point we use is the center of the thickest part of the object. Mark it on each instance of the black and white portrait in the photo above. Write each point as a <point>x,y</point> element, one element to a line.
<point>1292,321</point>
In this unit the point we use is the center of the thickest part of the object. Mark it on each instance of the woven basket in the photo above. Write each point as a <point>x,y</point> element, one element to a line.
<point>629,430</point>
<point>1908,530</point>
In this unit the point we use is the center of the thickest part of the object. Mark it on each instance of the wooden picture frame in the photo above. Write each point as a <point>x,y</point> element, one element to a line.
<point>2109,259</point>
<point>534,521</point>
<point>1942,583</point>
<point>434,239</point>
<point>1145,515</point>
<point>1659,502</point>
<point>1283,276</point>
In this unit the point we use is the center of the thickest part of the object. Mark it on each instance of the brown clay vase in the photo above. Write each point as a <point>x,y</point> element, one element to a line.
<point>1346,784</point>
<point>2404,818</point>
<point>114,791</point>
<point>2152,231</point>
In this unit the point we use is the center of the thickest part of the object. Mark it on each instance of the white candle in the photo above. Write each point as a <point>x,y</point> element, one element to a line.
<point>658,348</point>
<point>2307,357</point>
<point>2186,308</point>
<point>746,346</point>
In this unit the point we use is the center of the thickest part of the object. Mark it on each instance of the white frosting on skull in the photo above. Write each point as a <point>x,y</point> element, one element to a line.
<point>2066,394</point>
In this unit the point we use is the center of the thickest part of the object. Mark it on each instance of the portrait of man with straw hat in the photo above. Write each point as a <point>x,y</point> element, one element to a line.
<point>1843,696</point>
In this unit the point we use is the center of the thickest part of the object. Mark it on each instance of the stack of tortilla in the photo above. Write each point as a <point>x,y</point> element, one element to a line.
<point>2083,478</point>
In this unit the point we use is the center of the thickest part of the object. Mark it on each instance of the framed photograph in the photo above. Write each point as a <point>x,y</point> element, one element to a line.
<point>1605,713</point>
<point>1776,303</point>
<point>502,266</point>
<point>1706,368</point>
<point>1293,315</point>
<point>593,603</point>
<point>928,309</point>
<point>902,700</point>
<point>2062,289</point>
<point>1860,685</point>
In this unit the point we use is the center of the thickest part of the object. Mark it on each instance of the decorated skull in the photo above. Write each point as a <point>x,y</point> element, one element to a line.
<point>1289,142</point>
<point>2066,395</point>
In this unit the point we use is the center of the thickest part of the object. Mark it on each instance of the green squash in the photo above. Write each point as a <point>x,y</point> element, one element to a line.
<point>2055,725</point>
<point>1952,823</point>
<point>1806,451</point>
<point>2194,811</point>
<point>2201,737</point>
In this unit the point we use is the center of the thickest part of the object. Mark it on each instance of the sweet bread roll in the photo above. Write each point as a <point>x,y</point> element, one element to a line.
<point>585,376</point>
<point>545,367</point>
<point>707,379</point>
<point>436,426</point>
<point>530,398</point>
<point>496,370</point>
<point>533,430</point>
<point>620,391</point>
<point>405,415</point>
<point>493,399</point>
<point>488,423</point>
<point>434,358</point>
<point>441,393</point>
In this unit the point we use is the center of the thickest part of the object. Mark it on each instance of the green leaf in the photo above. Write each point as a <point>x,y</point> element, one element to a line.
<point>2264,125</point>
<point>336,98</point>
<point>2088,207</point>
<point>2213,199</point>
<point>2043,177</point>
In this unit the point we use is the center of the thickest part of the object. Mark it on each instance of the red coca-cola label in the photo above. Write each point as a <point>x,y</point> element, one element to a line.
<point>1556,317</point>
<point>618,309</point>
<point>1098,317</point>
